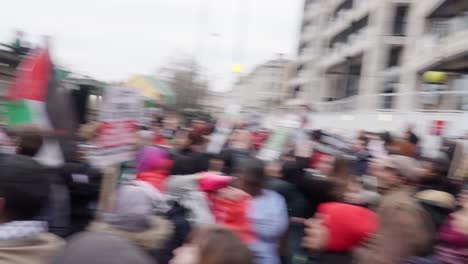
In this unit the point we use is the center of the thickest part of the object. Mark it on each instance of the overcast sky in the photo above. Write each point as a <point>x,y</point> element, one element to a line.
<point>113,39</point>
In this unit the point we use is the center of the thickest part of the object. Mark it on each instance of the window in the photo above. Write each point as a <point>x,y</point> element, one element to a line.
<point>295,91</point>
<point>394,58</point>
<point>355,28</point>
<point>346,5</point>
<point>401,20</point>
<point>302,47</point>
<point>300,67</point>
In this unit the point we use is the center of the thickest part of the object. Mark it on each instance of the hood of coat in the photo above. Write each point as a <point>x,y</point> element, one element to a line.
<point>38,249</point>
<point>153,234</point>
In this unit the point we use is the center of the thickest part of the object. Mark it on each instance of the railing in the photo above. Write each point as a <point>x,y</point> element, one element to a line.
<point>346,104</point>
<point>441,101</point>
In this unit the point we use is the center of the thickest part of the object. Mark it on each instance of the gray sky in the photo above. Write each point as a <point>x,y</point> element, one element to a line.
<point>114,39</point>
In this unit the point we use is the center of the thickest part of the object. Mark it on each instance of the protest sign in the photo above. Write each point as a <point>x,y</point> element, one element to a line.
<point>120,112</point>
<point>116,138</point>
<point>224,128</point>
<point>286,131</point>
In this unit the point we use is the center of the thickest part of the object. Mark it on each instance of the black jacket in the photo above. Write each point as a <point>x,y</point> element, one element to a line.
<point>84,184</point>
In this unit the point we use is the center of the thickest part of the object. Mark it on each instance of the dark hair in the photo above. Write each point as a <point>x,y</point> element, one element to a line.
<point>440,166</point>
<point>292,172</point>
<point>340,175</point>
<point>316,135</point>
<point>219,245</point>
<point>252,172</point>
<point>387,137</point>
<point>30,141</point>
<point>24,187</point>
<point>364,140</point>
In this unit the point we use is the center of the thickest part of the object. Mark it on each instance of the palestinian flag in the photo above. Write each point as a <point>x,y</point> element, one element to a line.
<point>35,98</point>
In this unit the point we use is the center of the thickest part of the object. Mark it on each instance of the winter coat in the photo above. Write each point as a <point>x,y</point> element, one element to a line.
<point>57,210</point>
<point>297,207</point>
<point>84,184</point>
<point>36,250</point>
<point>148,233</point>
<point>100,248</point>
<point>185,189</point>
<point>200,194</point>
<point>178,216</point>
<point>269,218</point>
<point>453,246</point>
<point>361,163</point>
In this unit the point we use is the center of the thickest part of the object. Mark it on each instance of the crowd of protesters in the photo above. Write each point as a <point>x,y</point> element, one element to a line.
<point>374,199</point>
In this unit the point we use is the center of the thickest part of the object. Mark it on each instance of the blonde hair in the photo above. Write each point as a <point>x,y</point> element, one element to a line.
<point>405,230</point>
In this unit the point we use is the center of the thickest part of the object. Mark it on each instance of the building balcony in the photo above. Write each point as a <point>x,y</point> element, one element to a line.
<point>429,102</point>
<point>299,80</point>
<point>439,50</point>
<point>308,55</point>
<point>338,106</point>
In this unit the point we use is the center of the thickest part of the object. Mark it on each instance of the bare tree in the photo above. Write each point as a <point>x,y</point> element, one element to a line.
<point>185,78</point>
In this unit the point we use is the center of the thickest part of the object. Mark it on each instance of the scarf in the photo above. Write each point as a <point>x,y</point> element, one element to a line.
<point>21,229</point>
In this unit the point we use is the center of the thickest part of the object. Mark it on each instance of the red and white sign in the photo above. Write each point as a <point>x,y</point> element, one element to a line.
<point>438,127</point>
<point>120,112</point>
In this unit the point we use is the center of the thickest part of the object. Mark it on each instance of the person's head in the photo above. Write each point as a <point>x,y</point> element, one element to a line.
<point>274,169</point>
<point>437,204</point>
<point>242,139</point>
<point>432,169</point>
<point>325,164</point>
<point>30,141</point>
<point>24,188</point>
<point>212,245</point>
<point>405,230</point>
<point>196,140</point>
<point>216,163</point>
<point>151,159</point>
<point>252,176</point>
<point>316,135</point>
<point>361,144</point>
<point>340,175</point>
<point>181,140</point>
<point>19,34</point>
<point>339,227</point>
<point>386,137</point>
<point>395,170</point>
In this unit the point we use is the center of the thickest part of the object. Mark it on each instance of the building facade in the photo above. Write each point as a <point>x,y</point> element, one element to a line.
<point>363,54</point>
<point>264,88</point>
<point>379,65</point>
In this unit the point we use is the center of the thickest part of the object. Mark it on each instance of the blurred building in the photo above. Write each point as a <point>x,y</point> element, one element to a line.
<point>350,48</point>
<point>86,95</point>
<point>264,88</point>
<point>383,64</point>
<point>215,102</point>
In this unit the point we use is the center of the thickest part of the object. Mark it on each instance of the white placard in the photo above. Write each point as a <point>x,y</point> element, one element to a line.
<point>120,112</point>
